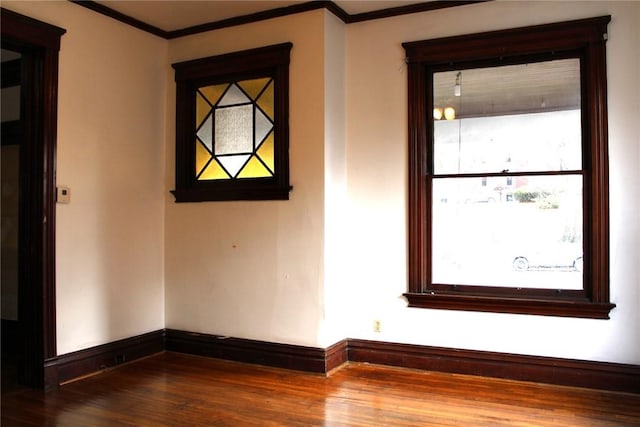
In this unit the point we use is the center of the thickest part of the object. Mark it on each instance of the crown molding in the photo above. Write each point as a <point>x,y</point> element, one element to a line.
<point>261,16</point>
<point>406,10</point>
<point>272,13</point>
<point>125,19</point>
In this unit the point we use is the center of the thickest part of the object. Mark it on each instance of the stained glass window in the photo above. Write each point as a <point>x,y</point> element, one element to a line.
<point>233,123</point>
<point>232,126</point>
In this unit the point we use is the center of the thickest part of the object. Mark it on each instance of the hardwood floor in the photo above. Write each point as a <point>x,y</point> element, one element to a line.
<point>177,389</point>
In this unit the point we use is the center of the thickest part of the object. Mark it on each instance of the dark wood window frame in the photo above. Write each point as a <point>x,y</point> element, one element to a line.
<point>585,39</point>
<point>269,61</point>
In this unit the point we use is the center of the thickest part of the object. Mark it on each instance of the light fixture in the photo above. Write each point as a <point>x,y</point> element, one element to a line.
<point>449,113</point>
<point>437,113</point>
<point>457,87</point>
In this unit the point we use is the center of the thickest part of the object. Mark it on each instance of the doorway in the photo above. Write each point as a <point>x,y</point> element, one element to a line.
<point>31,136</point>
<point>11,137</point>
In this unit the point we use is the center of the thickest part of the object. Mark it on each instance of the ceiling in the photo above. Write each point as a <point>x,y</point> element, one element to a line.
<point>179,14</point>
<point>520,91</point>
<point>510,89</point>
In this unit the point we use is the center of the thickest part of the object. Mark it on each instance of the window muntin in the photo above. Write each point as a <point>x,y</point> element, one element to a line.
<point>232,130</point>
<point>577,172</point>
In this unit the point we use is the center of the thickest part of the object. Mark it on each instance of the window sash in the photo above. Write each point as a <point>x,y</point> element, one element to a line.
<point>477,235</point>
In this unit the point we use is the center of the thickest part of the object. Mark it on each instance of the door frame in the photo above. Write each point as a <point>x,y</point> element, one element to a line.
<point>40,43</point>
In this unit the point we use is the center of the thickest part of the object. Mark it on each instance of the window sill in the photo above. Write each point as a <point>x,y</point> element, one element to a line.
<point>544,307</point>
<point>213,195</point>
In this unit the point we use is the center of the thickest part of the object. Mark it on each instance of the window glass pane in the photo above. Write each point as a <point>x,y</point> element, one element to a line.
<point>254,87</point>
<point>263,127</point>
<point>265,152</point>
<point>234,130</point>
<point>526,234</point>
<point>517,118</point>
<point>205,133</point>
<point>213,171</point>
<point>213,93</point>
<point>233,96</point>
<point>265,101</point>
<point>254,169</point>
<point>202,109</point>
<point>202,157</point>
<point>233,164</point>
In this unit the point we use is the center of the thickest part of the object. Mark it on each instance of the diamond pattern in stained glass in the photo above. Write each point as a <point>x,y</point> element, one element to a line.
<point>214,171</point>
<point>202,157</point>
<point>265,101</point>
<point>253,87</point>
<point>227,112</point>
<point>234,130</point>
<point>205,133</point>
<point>233,163</point>
<point>263,126</point>
<point>265,152</point>
<point>202,109</point>
<point>233,96</point>
<point>254,169</point>
<point>213,93</point>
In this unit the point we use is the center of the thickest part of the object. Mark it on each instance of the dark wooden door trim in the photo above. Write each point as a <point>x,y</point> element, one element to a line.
<point>39,43</point>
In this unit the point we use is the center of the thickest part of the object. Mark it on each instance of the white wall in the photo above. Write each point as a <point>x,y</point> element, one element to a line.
<point>109,239</point>
<point>255,269</point>
<point>377,189</point>
<point>336,302</point>
<point>323,265</point>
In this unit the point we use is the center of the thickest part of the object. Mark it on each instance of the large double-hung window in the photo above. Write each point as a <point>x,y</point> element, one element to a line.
<point>508,197</point>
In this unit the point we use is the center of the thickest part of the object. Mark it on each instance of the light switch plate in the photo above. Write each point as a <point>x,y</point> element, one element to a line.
<point>64,195</point>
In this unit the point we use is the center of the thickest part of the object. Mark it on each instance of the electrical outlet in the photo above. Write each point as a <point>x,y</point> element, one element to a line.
<point>377,327</point>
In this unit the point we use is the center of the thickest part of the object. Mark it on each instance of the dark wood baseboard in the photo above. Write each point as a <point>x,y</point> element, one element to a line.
<point>11,341</point>
<point>80,363</point>
<point>300,358</point>
<point>569,372</point>
<point>336,355</point>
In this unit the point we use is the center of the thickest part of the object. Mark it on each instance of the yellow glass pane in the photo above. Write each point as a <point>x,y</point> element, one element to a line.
<point>202,109</point>
<point>253,87</point>
<point>214,92</point>
<point>202,157</point>
<point>213,171</point>
<point>254,169</point>
<point>266,152</point>
<point>266,101</point>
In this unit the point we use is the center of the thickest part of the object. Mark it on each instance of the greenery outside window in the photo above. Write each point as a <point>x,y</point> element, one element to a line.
<point>508,172</point>
<point>232,135</point>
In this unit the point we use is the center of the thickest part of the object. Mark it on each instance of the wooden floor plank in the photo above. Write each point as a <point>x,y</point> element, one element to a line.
<point>172,389</point>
